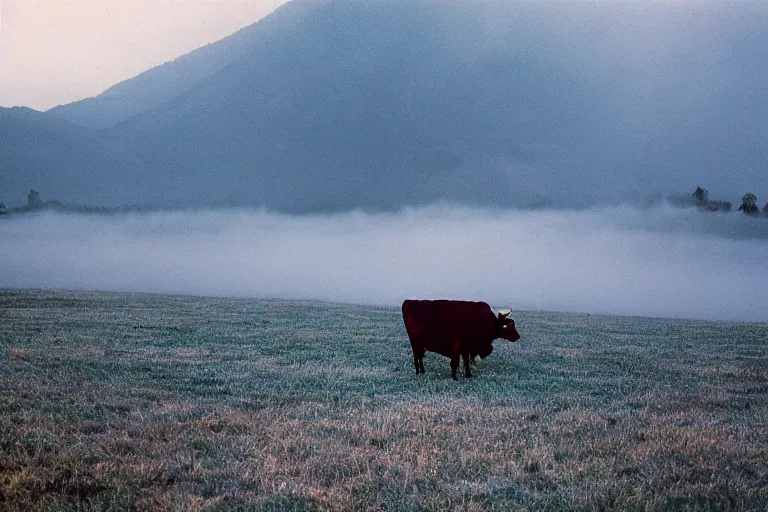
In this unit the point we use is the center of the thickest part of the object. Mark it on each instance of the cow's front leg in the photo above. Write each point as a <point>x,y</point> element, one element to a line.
<point>454,366</point>
<point>418,362</point>
<point>455,358</point>
<point>467,371</point>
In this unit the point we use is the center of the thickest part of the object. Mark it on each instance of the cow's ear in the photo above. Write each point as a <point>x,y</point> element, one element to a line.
<point>504,314</point>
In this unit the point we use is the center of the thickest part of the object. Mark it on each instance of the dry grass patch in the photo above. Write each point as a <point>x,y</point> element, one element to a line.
<point>18,353</point>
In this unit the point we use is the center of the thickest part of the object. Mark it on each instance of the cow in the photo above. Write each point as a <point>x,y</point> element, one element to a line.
<point>454,328</point>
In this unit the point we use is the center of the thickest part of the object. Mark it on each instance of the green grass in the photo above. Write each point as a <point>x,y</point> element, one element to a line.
<point>120,401</point>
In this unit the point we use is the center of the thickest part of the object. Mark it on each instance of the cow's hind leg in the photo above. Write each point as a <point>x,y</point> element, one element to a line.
<point>467,371</point>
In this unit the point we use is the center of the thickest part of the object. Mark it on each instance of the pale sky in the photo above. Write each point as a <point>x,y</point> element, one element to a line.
<point>58,51</point>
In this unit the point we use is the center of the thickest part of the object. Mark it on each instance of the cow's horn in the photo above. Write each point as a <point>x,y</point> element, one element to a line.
<point>505,313</point>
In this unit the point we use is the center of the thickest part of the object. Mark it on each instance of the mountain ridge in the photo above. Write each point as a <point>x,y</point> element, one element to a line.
<point>156,85</point>
<point>342,104</point>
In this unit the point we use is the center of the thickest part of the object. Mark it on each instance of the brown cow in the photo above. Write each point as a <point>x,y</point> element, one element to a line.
<point>454,328</point>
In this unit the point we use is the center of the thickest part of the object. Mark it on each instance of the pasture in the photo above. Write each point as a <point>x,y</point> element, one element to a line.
<point>120,401</point>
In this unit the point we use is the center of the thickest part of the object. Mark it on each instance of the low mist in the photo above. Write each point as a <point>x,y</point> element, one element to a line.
<point>658,261</point>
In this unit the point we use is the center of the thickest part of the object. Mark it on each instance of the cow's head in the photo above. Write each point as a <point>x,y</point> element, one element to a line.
<point>506,327</point>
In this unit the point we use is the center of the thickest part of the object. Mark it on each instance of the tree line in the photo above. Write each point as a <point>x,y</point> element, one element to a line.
<point>700,198</point>
<point>748,203</point>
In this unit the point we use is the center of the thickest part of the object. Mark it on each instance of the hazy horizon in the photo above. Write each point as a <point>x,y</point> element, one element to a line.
<point>352,107</point>
<point>658,261</point>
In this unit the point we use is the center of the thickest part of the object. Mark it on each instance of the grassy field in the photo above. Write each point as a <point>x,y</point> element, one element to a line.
<point>119,401</point>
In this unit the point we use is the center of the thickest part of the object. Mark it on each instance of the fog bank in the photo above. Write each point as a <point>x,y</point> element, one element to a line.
<point>659,261</point>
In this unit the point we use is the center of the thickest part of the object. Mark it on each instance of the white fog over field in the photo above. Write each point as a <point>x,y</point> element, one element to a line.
<point>659,261</point>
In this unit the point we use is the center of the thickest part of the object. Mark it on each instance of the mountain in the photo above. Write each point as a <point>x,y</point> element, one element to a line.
<point>340,104</point>
<point>162,83</point>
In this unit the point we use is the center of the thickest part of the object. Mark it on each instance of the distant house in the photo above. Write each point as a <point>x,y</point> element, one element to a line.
<point>33,199</point>
<point>35,203</point>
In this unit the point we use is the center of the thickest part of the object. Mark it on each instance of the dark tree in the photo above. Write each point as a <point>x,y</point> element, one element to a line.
<point>701,195</point>
<point>703,203</point>
<point>749,204</point>
<point>2,209</point>
<point>765,209</point>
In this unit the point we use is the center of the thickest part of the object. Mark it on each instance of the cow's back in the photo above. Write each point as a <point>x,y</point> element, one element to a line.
<point>435,325</point>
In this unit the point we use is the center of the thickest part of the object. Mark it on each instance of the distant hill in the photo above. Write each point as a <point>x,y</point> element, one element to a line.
<point>69,161</point>
<point>162,83</point>
<point>340,104</point>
